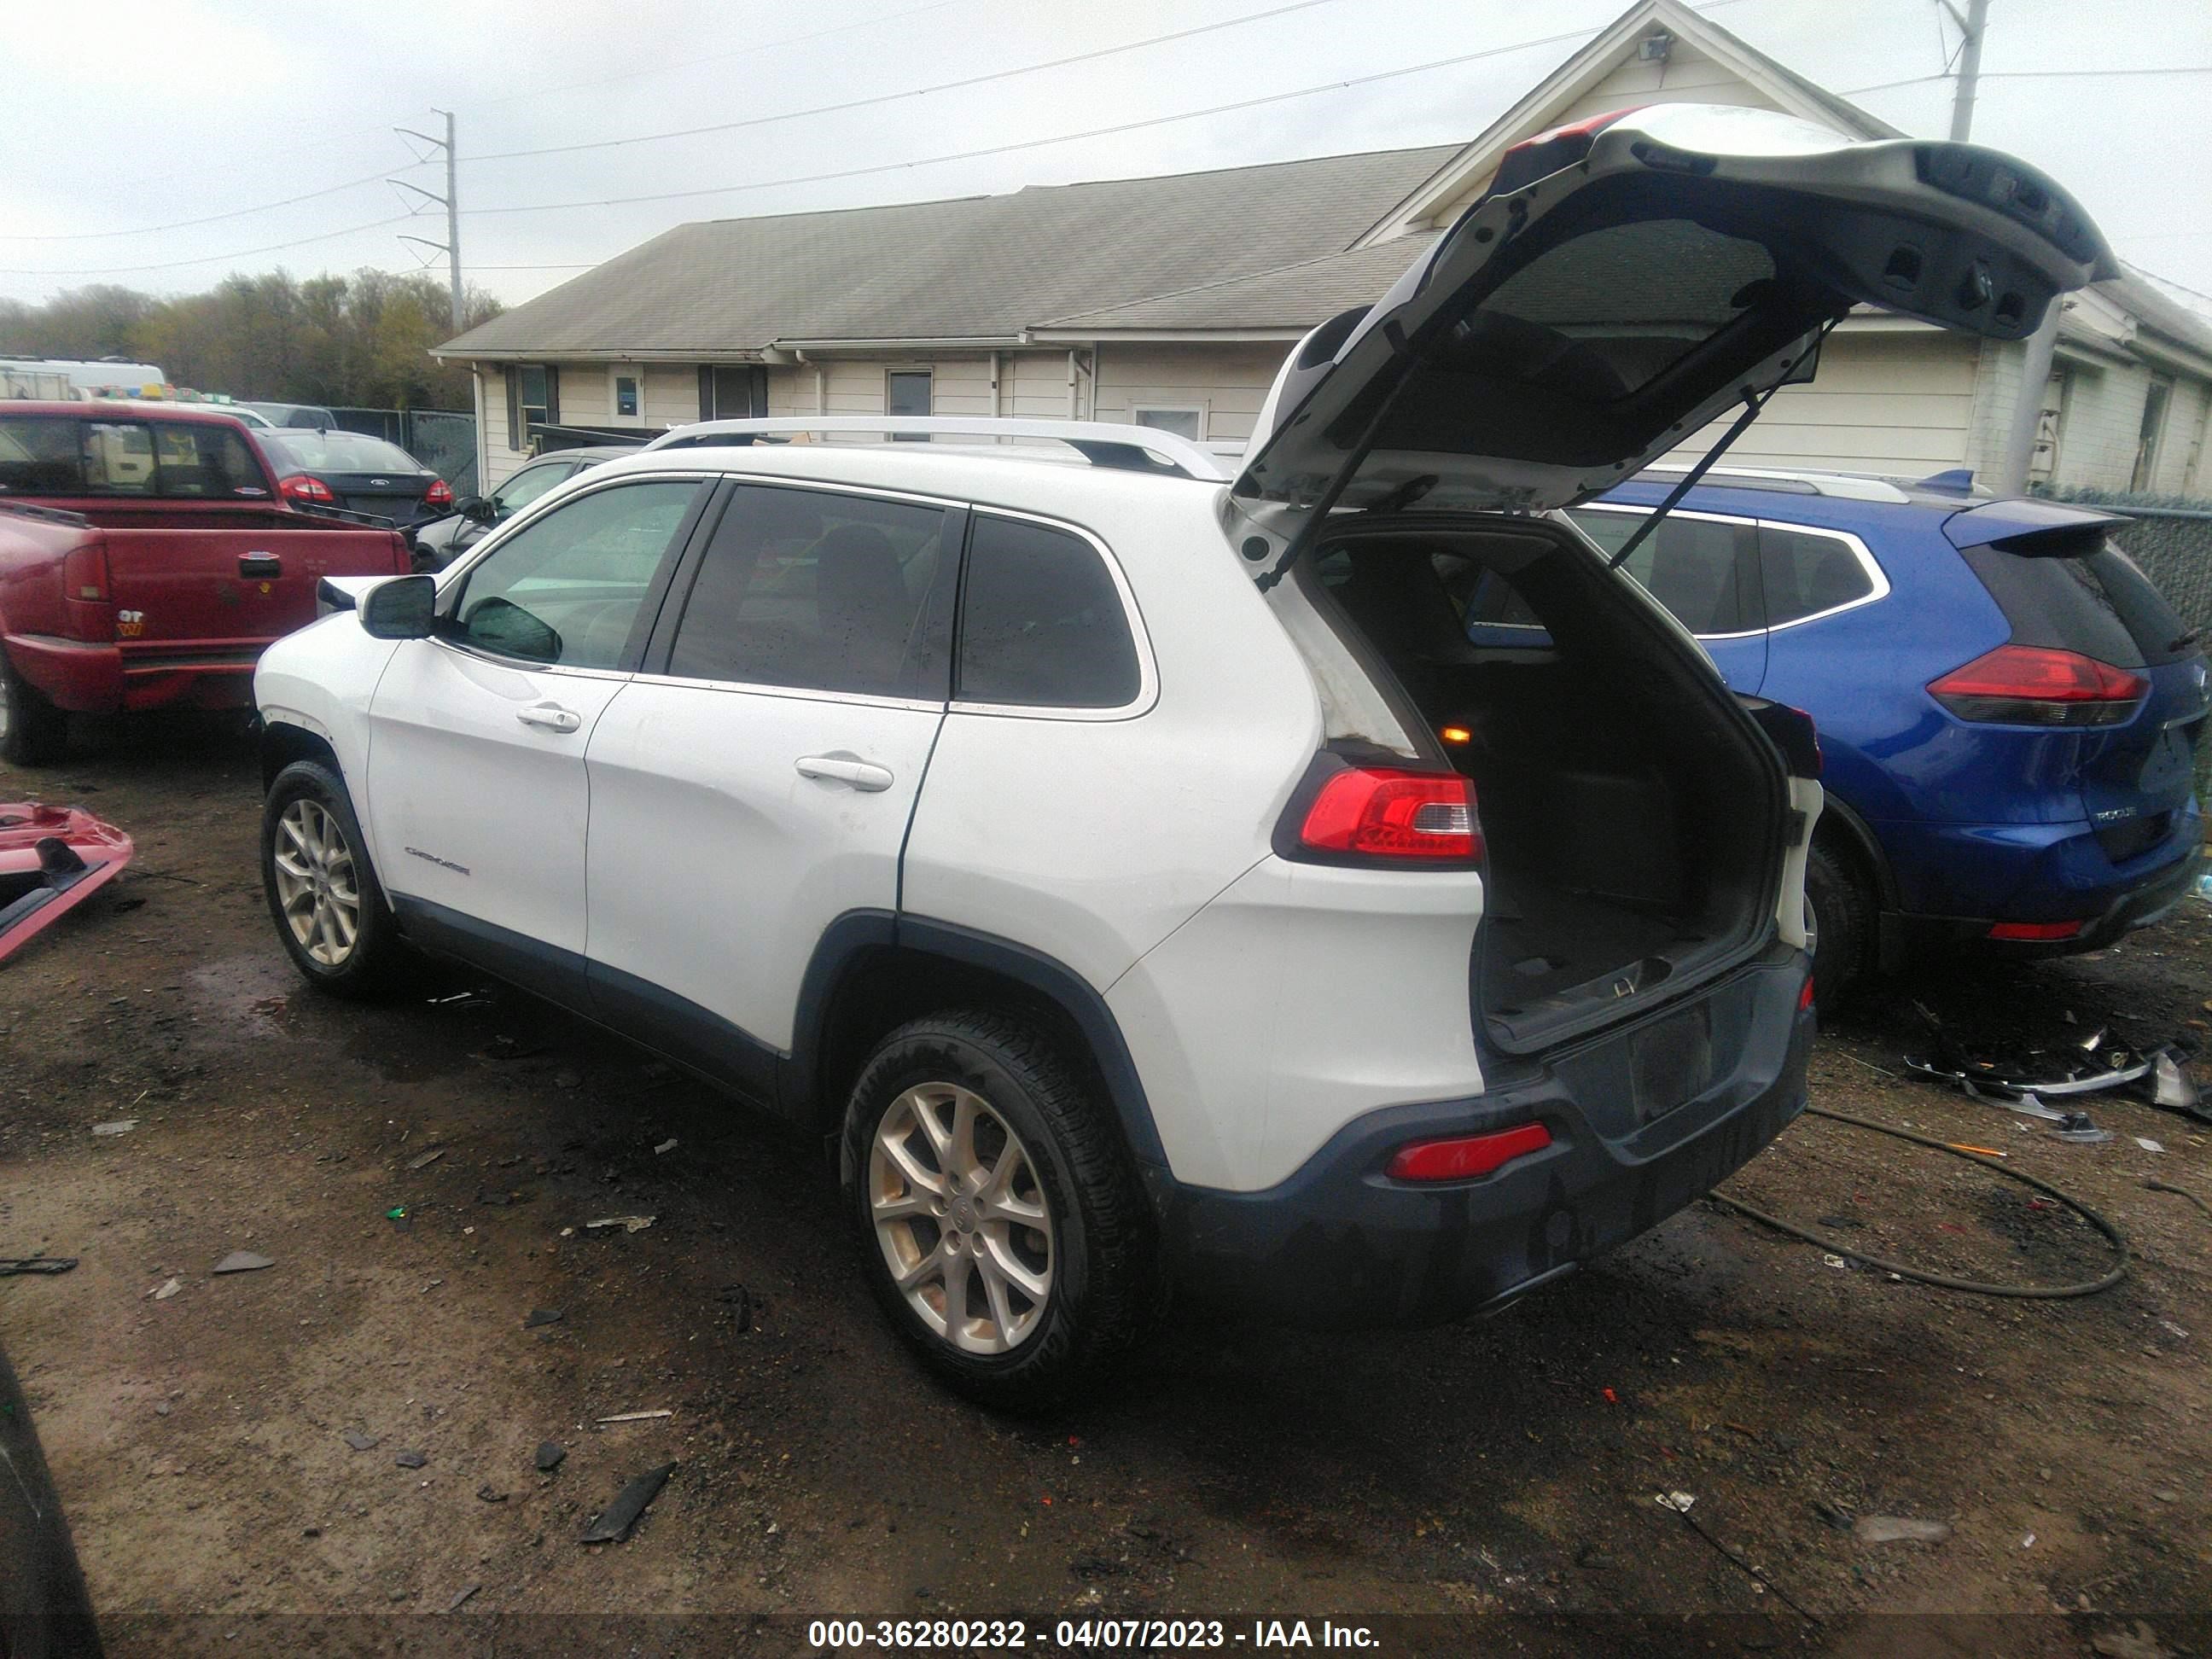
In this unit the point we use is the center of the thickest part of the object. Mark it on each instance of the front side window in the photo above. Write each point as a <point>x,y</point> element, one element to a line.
<point>1805,574</point>
<point>527,485</point>
<point>822,592</point>
<point>1042,623</point>
<point>567,590</point>
<point>210,462</point>
<point>1696,567</point>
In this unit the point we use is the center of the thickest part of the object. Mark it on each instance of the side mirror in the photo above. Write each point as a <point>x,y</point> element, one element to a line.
<point>481,509</point>
<point>404,608</point>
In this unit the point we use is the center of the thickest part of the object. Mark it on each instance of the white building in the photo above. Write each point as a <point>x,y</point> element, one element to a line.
<point>1171,300</point>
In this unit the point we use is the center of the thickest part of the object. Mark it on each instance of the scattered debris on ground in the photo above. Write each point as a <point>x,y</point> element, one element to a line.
<point>612,1524</point>
<point>243,1262</point>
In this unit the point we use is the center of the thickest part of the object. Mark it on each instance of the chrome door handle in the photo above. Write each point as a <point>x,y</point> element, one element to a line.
<point>843,768</point>
<point>551,715</point>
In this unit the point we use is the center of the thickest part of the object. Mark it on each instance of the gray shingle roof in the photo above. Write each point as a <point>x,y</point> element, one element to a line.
<point>1298,296</point>
<point>973,268</point>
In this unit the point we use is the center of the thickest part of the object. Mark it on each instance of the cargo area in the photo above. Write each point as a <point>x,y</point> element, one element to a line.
<point>1632,818</point>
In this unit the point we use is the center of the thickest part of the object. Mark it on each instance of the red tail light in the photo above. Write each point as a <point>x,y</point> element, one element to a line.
<point>1468,1156</point>
<point>1380,813</point>
<point>302,488</point>
<point>439,493</point>
<point>2039,685</point>
<point>84,573</point>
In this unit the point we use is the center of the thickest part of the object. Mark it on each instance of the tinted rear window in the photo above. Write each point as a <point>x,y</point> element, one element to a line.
<point>2101,606</point>
<point>1041,621</point>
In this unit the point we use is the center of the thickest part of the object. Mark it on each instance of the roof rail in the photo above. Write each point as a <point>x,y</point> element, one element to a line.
<point>1102,443</point>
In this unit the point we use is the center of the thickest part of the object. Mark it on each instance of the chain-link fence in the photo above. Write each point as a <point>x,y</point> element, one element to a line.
<point>445,440</point>
<point>2171,538</point>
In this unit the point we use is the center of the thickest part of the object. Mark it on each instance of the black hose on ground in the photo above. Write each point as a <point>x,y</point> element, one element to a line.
<point>1944,1281</point>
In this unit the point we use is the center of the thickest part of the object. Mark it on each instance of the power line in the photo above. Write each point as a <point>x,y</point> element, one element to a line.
<point>2031,75</point>
<point>212,218</point>
<point>212,259</point>
<point>914,92</point>
<point>1038,143</point>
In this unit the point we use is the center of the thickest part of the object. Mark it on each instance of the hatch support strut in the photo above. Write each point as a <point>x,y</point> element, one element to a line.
<point>1754,402</point>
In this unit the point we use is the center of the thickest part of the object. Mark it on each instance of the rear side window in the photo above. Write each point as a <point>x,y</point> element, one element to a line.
<point>823,591</point>
<point>1041,621</point>
<point>1805,574</point>
<point>119,459</point>
<point>2065,603</point>
<point>1697,568</point>
<point>40,455</point>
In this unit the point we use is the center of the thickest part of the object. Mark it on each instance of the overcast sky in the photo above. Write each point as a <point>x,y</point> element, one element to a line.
<point>132,114</point>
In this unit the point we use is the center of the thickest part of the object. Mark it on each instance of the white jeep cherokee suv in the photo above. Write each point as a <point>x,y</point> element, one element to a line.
<point>1136,872</point>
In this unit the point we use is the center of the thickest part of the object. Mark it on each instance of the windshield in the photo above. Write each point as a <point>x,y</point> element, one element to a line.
<point>527,485</point>
<point>342,452</point>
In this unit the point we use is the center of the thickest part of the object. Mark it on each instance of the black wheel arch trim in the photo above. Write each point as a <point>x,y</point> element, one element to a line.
<point>847,940</point>
<point>1862,840</point>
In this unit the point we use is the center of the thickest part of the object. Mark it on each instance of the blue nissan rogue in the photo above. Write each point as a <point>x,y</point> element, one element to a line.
<point>2007,709</point>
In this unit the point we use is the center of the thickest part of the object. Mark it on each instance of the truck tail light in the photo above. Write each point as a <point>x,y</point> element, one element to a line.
<point>1377,812</point>
<point>302,488</point>
<point>1465,1157</point>
<point>84,573</point>
<point>2039,685</point>
<point>439,493</point>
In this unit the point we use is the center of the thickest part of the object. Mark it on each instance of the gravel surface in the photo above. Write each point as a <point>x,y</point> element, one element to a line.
<point>242,1447</point>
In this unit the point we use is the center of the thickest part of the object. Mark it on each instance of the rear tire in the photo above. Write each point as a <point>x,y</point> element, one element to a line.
<point>1842,913</point>
<point>33,732</point>
<point>1001,1222</point>
<point>328,907</point>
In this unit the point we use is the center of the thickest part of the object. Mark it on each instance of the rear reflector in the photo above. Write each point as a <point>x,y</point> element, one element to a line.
<point>1805,996</point>
<point>2040,685</point>
<point>1468,1156</point>
<point>1380,813</point>
<point>2037,930</point>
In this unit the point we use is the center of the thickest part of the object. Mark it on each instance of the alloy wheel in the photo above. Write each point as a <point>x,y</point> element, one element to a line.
<point>316,886</point>
<point>964,1223</point>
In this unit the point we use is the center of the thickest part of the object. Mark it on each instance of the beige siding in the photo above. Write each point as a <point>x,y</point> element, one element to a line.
<point>1899,403</point>
<point>1227,382</point>
<point>1688,77</point>
<point>2099,423</point>
<point>672,394</point>
<point>1035,386</point>
<point>2180,451</point>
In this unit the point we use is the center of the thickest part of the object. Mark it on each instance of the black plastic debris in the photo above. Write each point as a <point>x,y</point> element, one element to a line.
<point>243,1262</point>
<point>424,1160</point>
<point>541,1316</point>
<point>551,1454</point>
<point>612,1524</point>
<point>360,1442</point>
<point>739,1301</point>
<point>410,1460</point>
<point>461,1600</point>
<point>491,1494</point>
<point>11,1266</point>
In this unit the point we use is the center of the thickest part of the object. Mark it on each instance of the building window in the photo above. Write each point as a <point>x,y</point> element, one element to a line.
<point>628,397</point>
<point>533,398</point>
<point>731,392</point>
<point>1184,419</point>
<point>2147,436</point>
<point>907,391</point>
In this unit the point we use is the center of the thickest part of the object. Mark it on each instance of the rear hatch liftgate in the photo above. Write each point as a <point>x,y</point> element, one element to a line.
<point>1621,284</point>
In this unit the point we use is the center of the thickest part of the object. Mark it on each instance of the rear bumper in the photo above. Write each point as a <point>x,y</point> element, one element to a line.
<point>90,679</point>
<point>2037,873</point>
<point>1339,1243</point>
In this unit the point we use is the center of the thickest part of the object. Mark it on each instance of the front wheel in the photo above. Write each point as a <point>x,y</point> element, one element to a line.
<point>323,894</point>
<point>1001,1224</point>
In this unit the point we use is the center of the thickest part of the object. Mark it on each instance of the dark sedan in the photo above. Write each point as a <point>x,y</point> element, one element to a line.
<point>359,474</point>
<point>437,545</point>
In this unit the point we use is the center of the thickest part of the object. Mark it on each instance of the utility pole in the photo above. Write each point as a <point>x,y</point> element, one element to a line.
<point>451,201</point>
<point>1971,25</point>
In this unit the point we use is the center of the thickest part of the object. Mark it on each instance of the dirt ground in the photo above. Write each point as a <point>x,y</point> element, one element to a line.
<point>1507,1468</point>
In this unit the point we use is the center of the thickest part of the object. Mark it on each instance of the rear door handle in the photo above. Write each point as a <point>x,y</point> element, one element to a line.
<point>844,769</point>
<point>551,715</point>
<point>260,566</point>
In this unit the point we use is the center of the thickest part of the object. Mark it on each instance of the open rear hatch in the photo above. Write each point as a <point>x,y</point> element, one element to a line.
<point>1623,283</point>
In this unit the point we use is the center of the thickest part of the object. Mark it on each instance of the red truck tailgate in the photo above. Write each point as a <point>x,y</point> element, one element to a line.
<point>202,595</point>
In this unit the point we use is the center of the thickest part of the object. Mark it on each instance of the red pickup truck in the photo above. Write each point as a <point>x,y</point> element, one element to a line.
<point>146,560</point>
